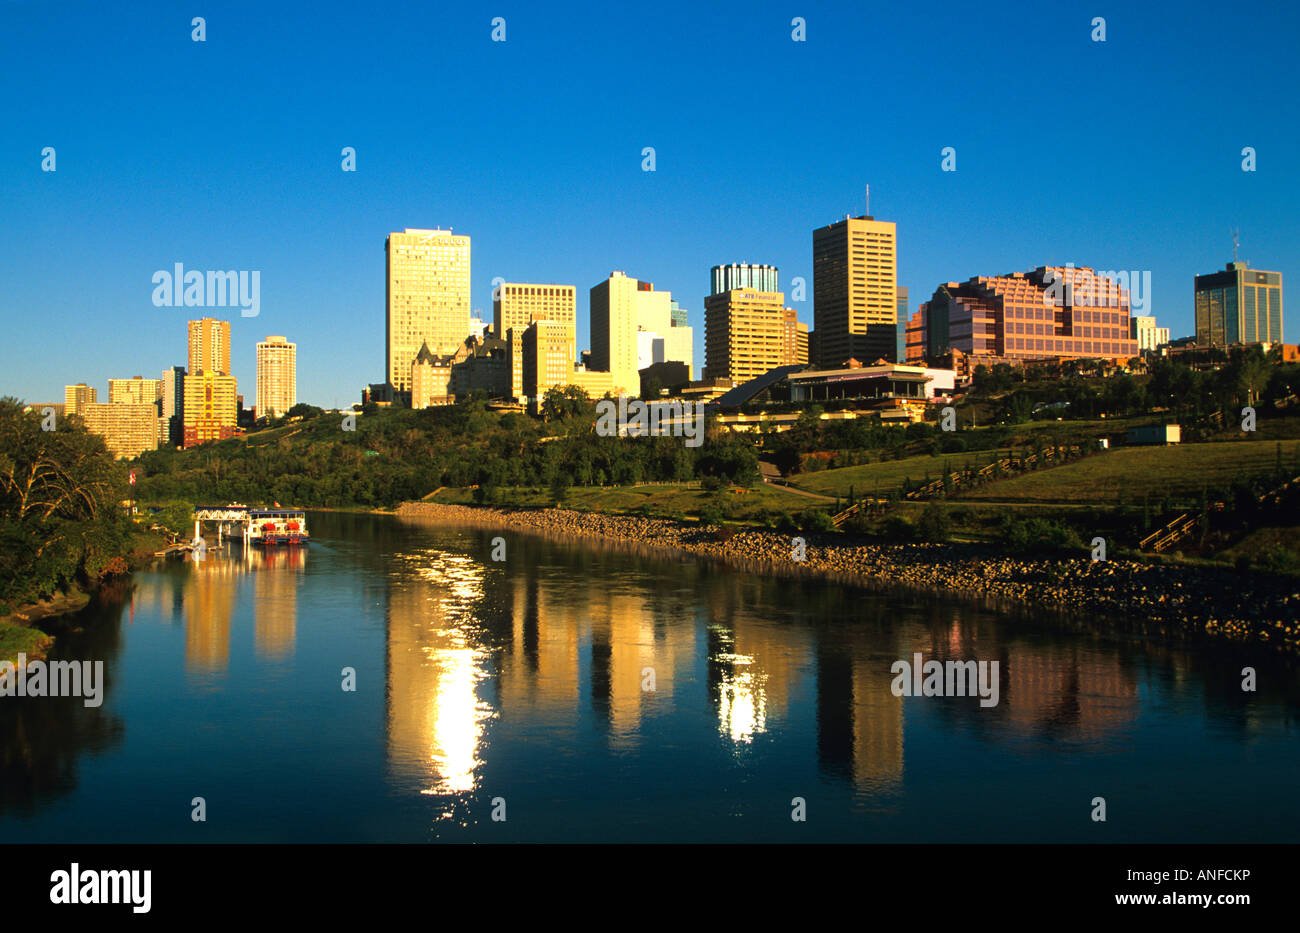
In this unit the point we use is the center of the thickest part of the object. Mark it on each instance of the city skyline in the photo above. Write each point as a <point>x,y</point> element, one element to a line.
<point>567,206</point>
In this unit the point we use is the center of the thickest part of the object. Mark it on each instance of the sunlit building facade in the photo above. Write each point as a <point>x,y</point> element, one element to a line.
<point>277,376</point>
<point>855,291</point>
<point>209,346</point>
<point>1052,312</point>
<point>1238,305</point>
<point>428,298</point>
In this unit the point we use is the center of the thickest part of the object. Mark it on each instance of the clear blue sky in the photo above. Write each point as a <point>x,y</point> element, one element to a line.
<point>226,155</point>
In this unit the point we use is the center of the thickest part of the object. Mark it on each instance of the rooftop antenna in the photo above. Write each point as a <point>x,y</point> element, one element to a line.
<point>867,212</point>
<point>1236,237</point>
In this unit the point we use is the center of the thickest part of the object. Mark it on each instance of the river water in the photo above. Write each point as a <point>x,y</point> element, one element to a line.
<point>588,695</point>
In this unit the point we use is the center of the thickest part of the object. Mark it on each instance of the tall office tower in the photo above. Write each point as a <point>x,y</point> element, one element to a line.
<point>621,307</point>
<point>211,408</point>
<point>743,275</point>
<point>1147,334</point>
<point>428,298</point>
<point>548,358</point>
<point>900,326</point>
<point>855,290</point>
<point>128,428</point>
<point>78,396</point>
<point>1052,312</point>
<point>747,333</point>
<point>135,391</point>
<point>209,346</point>
<point>173,404</point>
<point>1238,305</point>
<point>516,305</point>
<point>277,376</point>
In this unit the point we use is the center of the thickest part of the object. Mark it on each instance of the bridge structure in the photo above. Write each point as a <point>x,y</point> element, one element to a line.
<point>223,515</point>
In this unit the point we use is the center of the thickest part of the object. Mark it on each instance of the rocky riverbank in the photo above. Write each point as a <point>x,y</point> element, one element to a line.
<point>1164,599</point>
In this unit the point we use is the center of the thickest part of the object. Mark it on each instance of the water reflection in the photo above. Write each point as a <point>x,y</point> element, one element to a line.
<point>435,717</point>
<point>586,673</point>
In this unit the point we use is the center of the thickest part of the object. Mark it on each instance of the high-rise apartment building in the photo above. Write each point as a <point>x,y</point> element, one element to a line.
<point>1147,334</point>
<point>1238,305</point>
<point>128,428</point>
<point>855,290</point>
<point>78,396</point>
<point>428,298</point>
<point>135,391</point>
<point>743,275</point>
<point>1052,312</point>
<point>211,408</point>
<point>517,305</point>
<point>277,376</point>
<point>209,341</point>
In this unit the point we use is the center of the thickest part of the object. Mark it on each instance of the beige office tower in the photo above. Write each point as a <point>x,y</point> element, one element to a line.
<point>209,346</point>
<point>744,334</point>
<point>277,376</point>
<point>855,291</point>
<point>128,428</point>
<point>516,305</point>
<point>548,358</point>
<point>428,298</point>
<point>75,398</point>
<point>621,307</point>
<point>135,391</point>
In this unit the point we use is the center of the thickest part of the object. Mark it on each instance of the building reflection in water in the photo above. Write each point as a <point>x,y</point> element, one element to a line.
<point>436,719</point>
<point>204,599</point>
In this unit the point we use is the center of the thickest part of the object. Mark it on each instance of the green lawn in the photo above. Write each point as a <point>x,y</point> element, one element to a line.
<point>1179,471</point>
<point>870,479</point>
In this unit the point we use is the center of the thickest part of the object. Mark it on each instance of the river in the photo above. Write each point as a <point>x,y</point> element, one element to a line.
<point>589,695</point>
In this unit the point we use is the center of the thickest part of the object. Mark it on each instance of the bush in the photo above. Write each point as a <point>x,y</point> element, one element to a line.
<point>815,520</point>
<point>934,524</point>
<point>1036,534</point>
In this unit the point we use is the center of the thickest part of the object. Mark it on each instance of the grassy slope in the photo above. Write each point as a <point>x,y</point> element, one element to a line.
<point>1179,471</point>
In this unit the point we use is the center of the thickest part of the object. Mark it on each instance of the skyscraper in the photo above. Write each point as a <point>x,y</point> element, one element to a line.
<point>516,305</point>
<point>1238,305</point>
<point>427,298</point>
<point>748,330</point>
<point>277,376</point>
<point>209,346</point>
<point>211,411</point>
<point>173,405</point>
<point>622,308</point>
<point>855,297</point>
<point>743,275</point>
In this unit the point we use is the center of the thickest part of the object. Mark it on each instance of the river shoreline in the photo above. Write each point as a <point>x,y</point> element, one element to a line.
<point>1172,601</point>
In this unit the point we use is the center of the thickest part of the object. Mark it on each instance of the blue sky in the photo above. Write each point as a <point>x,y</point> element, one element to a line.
<point>226,155</point>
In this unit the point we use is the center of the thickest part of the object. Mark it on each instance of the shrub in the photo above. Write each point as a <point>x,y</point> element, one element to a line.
<point>934,524</point>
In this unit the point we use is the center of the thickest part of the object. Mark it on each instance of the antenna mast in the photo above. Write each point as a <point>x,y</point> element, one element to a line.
<point>868,210</point>
<point>1236,236</point>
